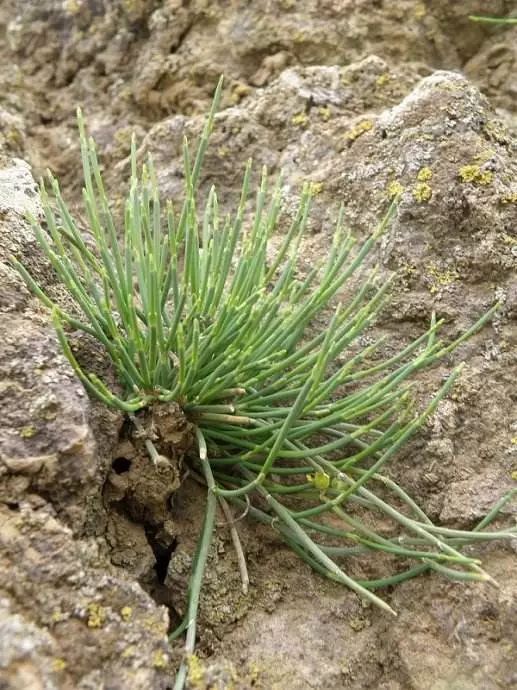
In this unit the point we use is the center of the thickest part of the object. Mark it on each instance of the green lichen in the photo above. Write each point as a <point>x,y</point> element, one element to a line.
<point>316,188</point>
<point>357,130</point>
<point>422,191</point>
<point>472,173</point>
<point>59,665</point>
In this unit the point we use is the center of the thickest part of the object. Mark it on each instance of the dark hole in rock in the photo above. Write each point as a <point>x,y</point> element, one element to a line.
<point>121,465</point>
<point>163,557</point>
<point>13,505</point>
<point>162,553</point>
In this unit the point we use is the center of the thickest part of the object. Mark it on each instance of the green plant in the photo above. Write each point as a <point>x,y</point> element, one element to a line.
<point>198,314</point>
<point>493,20</point>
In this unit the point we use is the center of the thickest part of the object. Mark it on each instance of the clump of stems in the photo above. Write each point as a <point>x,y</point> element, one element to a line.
<point>293,423</point>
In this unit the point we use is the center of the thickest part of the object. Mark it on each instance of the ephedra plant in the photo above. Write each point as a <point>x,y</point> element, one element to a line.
<point>294,424</point>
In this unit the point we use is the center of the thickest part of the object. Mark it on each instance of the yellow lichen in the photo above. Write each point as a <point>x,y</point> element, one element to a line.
<point>58,665</point>
<point>14,136</point>
<point>359,129</point>
<point>473,173</point>
<point>126,612</point>
<point>422,191</point>
<point>28,431</point>
<point>424,174</point>
<point>441,278</point>
<point>324,112</point>
<point>134,8</point>
<point>484,156</point>
<point>509,198</point>
<point>57,616</point>
<point>508,239</point>
<point>300,120</point>
<point>420,10</point>
<point>96,615</point>
<point>395,189</point>
<point>497,131</point>
<point>160,659</point>
<point>383,79</point>
<point>129,652</point>
<point>240,91</point>
<point>71,6</point>
<point>123,137</point>
<point>196,672</point>
<point>316,188</point>
<point>254,673</point>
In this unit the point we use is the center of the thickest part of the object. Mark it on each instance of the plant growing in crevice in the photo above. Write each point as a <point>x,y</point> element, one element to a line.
<point>191,310</point>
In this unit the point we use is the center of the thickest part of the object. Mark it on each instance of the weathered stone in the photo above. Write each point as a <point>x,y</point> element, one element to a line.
<point>300,94</point>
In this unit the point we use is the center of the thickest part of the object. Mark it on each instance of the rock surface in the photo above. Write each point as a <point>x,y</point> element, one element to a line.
<point>344,94</point>
<point>67,620</point>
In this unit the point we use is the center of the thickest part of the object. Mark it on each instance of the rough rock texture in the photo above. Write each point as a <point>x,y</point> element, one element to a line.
<point>452,243</point>
<point>129,62</point>
<point>331,92</point>
<point>66,620</point>
<point>69,623</point>
<point>493,69</point>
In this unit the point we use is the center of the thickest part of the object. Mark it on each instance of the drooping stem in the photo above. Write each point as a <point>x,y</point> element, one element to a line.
<point>199,565</point>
